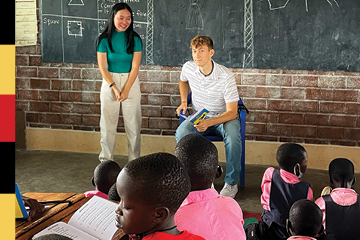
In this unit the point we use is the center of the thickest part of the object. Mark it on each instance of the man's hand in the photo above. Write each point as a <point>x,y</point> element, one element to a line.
<point>203,125</point>
<point>182,107</point>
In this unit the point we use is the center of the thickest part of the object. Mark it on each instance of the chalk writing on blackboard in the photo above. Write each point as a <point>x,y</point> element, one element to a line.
<point>246,33</point>
<point>72,26</point>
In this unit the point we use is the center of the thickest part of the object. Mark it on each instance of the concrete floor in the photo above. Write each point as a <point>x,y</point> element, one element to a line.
<point>55,171</point>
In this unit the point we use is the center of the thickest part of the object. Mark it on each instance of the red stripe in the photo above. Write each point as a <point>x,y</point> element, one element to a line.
<point>7,118</point>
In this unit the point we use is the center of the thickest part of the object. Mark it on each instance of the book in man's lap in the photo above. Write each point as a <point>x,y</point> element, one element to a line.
<point>197,117</point>
<point>95,220</point>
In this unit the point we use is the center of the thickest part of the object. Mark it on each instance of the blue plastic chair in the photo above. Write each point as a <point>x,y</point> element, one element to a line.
<point>242,110</point>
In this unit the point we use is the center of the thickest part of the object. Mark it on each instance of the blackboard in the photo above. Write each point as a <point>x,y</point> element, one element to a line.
<point>69,28</point>
<point>267,34</point>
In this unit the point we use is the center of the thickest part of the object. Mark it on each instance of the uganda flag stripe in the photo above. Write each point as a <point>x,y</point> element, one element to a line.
<point>7,119</point>
<point>7,125</point>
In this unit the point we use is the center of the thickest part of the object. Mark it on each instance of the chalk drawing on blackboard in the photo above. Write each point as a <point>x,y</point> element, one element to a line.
<point>75,28</point>
<point>248,61</point>
<point>150,33</point>
<point>329,1</point>
<point>306,4</point>
<point>278,7</point>
<point>76,2</point>
<point>194,18</point>
<point>284,5</point>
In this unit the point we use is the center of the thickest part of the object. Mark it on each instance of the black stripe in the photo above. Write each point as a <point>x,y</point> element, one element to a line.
<point>8,23</point>
<point>7,176</point>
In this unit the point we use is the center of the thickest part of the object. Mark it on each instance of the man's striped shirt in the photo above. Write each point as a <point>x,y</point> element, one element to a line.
<point>212,92</point>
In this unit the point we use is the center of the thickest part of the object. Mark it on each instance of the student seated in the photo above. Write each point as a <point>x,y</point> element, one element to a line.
<point>341,208</point>
<point>204,212</point>
<point>281,188</point>
<point>112,194</point>
<point>52,236</point>
<point>304,221</point>
<point>151,189</point>
<point>105,175</point>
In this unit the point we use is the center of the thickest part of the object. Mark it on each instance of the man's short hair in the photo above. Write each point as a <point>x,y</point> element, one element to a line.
<point>305,218</point>
<point>200,157</point>
<point>160,179</point>
<point>201,41</point>
<point>341,170</point>
<point>289,154</point>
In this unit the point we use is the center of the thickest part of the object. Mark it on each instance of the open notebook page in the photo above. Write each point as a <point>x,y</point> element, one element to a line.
<point>67,230</point>
<point>96,217</point>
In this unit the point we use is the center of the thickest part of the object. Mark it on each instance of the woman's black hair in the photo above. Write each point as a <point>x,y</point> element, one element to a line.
<point>110,28</point>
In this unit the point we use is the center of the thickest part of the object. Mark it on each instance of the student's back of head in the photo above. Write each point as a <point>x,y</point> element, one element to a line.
<point>292,158</point>
<point>341,207</point>
<point>112,194</point>
<point>105,175</point>
<point>151,189</point>
<point>52,236</point>
<point>200,158</point>
<point>160,178</point>
<point>341,172</point>
<point>305,218</point>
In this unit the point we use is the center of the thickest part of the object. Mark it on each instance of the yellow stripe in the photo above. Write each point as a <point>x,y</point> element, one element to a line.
<point>7,219</point>
<point>7,69</point>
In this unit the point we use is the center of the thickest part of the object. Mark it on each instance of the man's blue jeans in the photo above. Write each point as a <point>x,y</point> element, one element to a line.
<point>230,132</point>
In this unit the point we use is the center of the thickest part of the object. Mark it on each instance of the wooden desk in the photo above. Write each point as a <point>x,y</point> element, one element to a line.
<point>25,230</point>
<point>60,212</point>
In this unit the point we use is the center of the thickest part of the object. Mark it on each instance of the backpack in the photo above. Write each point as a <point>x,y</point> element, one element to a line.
<point>257,231</point>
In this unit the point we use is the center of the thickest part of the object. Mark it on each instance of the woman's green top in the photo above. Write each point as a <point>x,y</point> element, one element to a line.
<point>119,61</point>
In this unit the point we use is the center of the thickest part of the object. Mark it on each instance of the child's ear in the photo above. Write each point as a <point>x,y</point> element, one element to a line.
<point>321,231</point>
<point>218,172</point>
<point>93,181</point>
<point>161,214</point>
<point>288,227</point>
<point>331,183</point>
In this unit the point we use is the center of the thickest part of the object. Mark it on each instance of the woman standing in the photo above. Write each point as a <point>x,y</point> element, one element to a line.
<point>119,56</point>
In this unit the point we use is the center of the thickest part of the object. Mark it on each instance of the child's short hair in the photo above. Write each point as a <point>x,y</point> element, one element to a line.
<point>52,236</point>
<point>160,179</point>
<point>113,194</point>
<point>289,154</point>
<point>105,175</point>
<point>200,157</point>
<point>341,170</point>
<point>201,41</point>
<point>305,218</point>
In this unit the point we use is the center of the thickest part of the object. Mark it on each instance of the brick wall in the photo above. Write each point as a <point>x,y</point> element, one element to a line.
<point>285,105</point>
